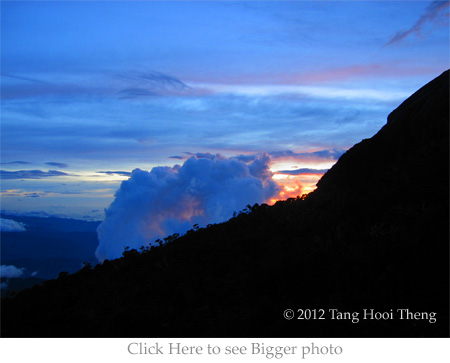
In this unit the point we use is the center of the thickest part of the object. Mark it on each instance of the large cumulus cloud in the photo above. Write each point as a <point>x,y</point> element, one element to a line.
<point>167,200</point>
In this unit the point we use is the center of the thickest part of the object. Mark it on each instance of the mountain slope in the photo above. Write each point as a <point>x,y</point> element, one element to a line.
<point>374,235</point>
<point>405,152</point>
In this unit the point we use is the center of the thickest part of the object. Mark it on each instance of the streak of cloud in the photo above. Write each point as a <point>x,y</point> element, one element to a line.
<point>17,193</point>
<point>206,155</point>
<point>16,162</point>
<point>30,174</point>
<point>23,194</point>
<point>58,165</point>
<point>329,154</point>
<point>432,12</point>
<point>28,79</point>
<point>150,84</point>
<point>320,155</point>
<point>128,85</point>
<point>302,171</point>
<point>121,173</point>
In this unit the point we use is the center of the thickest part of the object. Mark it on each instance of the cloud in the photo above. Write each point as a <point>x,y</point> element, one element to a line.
<point>150,84</point>
<point>30,174</point>
<point>122,173</point>
<point>156,79</point>
<point>433,11</point>
<point>177,157</point>
<point>128,85</point>
<point>16,162</point>
<point>34,195</point>
<point>20,91</point>
<point>320,155</point>
<point>58,165</point>
<point>42,214</point>
<point>352,72</point>
<point>329,154</point>
<point>25,194</point>
<point>205,155</point>
<point>8,225</point>
<point>305,92</point>
<point>240,124</point>
<point>247,158</point>
<point>10,271</point>
<point>21,78</point>
<point>302,171</point>
<point>169,200</point>
<point>136,92</point>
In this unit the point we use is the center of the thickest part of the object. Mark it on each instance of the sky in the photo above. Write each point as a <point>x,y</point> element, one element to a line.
<point>273,91</point>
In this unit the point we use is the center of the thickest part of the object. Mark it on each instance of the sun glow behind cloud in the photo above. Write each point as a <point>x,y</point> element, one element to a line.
<point>293,186</point>
<point>295,181</point>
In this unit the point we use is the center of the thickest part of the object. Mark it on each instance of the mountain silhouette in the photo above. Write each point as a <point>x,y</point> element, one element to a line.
<point>409,153</point>
<point>365,255</point>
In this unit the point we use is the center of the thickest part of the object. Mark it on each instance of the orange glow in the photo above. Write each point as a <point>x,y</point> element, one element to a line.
<point>294,186</point>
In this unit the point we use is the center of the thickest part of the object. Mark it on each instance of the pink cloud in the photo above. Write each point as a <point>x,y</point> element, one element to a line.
<point>310,77</point>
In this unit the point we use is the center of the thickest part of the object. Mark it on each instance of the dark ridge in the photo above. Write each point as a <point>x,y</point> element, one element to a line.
<point>15,285</point>
<point>374,235</point>
<point>409,153</point>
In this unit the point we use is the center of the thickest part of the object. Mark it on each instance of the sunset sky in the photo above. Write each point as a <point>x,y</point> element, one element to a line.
<point>92,90</point>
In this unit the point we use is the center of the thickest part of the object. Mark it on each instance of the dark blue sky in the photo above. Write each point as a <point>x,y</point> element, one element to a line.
<point>95,87</point>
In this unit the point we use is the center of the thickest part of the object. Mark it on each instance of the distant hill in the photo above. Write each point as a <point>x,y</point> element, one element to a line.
<point>374,235</point>
<point>15,285</point>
